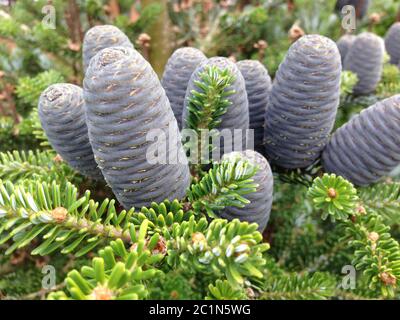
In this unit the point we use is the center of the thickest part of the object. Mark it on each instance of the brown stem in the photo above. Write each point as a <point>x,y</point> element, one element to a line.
<point>72,17</point>
<point>160,33</point>
<point>73,21</point>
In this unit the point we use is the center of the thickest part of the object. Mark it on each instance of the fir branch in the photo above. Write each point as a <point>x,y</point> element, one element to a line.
<point>318,286</point>
<point>231,249</point>
<point>390,82</point>
<point>206,107</point>
<point>335,196</point>
<point>224,185</point>
<point>222,290</point>
<point>117,273</point>
<point>303,176</point>
<point>20,165</point>
<point>375,252</point>
<point>347,82</point>
<point>384,200</point>
<point>162,215</point>
<point>38,131</point>
<point>56,214</point>
<point>29,89</point>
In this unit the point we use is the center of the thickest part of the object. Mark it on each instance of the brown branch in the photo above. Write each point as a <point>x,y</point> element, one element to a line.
<point>72,17</point>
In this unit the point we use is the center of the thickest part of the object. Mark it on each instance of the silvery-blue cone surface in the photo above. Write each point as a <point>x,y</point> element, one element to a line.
<point>344,44</point>
<point>392,43</point>
<point>130,121</point>
<point>62,115</point>
<point>176,76</point>
<point>303,103</point>
<point>365,59</point>
<point>237,114</point>
<point>258,86</point>
<point>101,37</point>
<point>366,148</point>
<point>259,208</point>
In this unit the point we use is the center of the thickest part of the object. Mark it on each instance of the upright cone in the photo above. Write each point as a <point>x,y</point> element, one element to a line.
<point>303,102</point>
<point>258,86</point>
<point>392,43</point>
<point>259,208</point>
<point>365,59</point>
<point>177,73</point>
<point>101,37</point>
<point>62,115</point>
<point>237,115</point>
<point>344,44</point>
<point>367,147</point>
<point>132,129</point>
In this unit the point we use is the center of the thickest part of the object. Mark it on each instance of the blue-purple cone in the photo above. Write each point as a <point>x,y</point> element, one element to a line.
<point>62,115</point>
<point>303,103</point>
<point>177,73</point>
<point>344,44</point>
<point>259,208</point>
<point>366,148</point>
<point>236,119</point>
<point>129,119</point>
<point>101,37</point>
<point>365,59</point>
<point>392,43</point>
<point>258,86</point>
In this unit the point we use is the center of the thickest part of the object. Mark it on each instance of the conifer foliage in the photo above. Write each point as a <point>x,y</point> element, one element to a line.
<point>97,180</point>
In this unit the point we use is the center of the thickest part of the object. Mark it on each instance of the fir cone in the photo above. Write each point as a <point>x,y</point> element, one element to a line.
<point>62,115</point>
<point>368,146</point>
<point>175,79</point>
<point>361,6</point>
<point>237,115</point>
<point>303,102</point>
<point>100,37</point>
<point>392,43</point>
<point>124,103</point>
<point>259,208</point>
<point>365,59</point>
<point>344,44</point>
<point>258,86</point>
